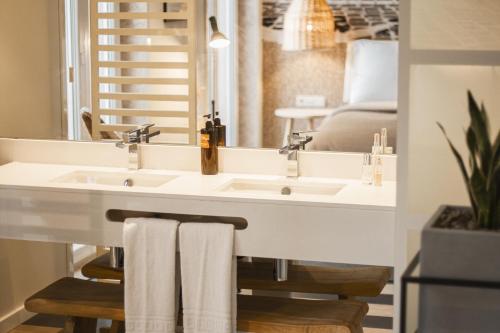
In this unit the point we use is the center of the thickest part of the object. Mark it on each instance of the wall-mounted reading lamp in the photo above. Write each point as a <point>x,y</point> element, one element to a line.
<point>217,40</point>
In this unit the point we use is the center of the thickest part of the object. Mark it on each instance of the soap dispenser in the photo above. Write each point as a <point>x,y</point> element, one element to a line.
<point>209,152</point>
<point>221,129</point>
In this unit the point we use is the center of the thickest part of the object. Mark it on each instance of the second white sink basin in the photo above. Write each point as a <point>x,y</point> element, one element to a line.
<point>281,187</point>
<point>123,179</point>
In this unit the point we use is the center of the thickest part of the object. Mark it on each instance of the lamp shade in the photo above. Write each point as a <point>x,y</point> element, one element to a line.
<point>308,24</point>
<point>217,39</point>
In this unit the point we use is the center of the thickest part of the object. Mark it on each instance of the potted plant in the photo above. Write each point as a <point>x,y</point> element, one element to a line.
<point>464,242</point>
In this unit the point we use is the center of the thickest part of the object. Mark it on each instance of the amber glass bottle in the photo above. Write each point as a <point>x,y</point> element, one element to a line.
<point>219,128</point>
<point>221,132</point>
<point>209,153</point>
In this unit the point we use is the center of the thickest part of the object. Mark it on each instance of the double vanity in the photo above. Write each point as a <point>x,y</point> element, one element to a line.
<point>80,192</point>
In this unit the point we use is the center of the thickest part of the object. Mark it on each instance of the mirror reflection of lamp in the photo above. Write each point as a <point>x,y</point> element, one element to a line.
<point>217,40</point>
<point>308,24</point>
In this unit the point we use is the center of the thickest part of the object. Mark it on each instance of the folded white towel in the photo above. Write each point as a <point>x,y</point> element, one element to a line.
<point>208,274</point>
<point>150,275</point>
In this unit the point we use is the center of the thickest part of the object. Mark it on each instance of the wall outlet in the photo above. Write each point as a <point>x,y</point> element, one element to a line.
<point>310,101</point>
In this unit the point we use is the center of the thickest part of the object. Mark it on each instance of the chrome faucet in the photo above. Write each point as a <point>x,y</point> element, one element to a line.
<point>296,141</point>
<point>131,140</point>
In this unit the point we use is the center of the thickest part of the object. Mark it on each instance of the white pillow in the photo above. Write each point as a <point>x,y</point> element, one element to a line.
<point>371,71</point>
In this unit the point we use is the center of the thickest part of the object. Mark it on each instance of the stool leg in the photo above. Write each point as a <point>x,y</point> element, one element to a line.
<point>346,297</point>
<point>80,325</point>
<point>357,329</point>
<point>117,326</point>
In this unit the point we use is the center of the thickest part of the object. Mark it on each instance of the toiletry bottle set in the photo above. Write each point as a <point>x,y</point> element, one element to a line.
<point>372,169</point>
<point>213,135</point>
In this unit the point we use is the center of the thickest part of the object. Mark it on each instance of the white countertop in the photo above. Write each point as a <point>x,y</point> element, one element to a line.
<point>194,185</point>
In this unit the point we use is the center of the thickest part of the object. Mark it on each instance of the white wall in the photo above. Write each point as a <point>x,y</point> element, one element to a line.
<point>30,107</point>
<point>30,88</point>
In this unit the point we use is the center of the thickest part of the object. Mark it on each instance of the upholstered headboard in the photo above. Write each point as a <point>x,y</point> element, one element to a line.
<point>371,72</point>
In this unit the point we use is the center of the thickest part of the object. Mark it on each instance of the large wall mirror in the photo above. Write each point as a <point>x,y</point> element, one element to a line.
<point>92,69</point>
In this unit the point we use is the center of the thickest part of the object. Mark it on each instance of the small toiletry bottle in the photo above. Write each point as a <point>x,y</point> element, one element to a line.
<point>386,150</point>
<point>221,129</point>
<point>209,152</point>
<point>377,170</point>
<point>383,140</point>
<point>376,144</point>
<point>367,170</point>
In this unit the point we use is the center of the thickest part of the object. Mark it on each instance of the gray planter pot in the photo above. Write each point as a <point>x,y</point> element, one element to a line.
<point>459,254</point>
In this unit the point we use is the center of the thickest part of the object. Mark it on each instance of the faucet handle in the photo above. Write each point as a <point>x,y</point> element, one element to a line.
<point>301,138</point>
<point>145,128</point>
<point>145,134</point>
<point>131,135</point>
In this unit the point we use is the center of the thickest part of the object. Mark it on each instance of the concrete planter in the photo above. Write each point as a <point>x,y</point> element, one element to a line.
<point>459,254</point>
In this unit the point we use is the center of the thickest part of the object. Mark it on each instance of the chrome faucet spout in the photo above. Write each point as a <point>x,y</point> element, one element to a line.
<point>131,140</point>
<point>296,142</point>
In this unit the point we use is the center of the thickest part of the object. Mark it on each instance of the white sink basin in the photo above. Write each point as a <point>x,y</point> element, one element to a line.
<point>284,188</point>
<point>123,179</point>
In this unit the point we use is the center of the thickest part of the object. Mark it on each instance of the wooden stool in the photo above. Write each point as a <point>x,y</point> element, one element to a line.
<point>85,301</point>
<point>36,329</point>
<point>262,314</point>
<point>345,282</point>
<point>100,268</point>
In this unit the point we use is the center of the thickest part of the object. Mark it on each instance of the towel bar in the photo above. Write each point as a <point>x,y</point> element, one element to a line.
<point>120,215</point>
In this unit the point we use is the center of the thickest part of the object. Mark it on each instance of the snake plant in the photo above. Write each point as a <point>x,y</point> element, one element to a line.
<point>482,178</point>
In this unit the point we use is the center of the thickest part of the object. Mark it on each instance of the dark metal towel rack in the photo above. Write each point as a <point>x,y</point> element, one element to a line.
<point>120,215</point>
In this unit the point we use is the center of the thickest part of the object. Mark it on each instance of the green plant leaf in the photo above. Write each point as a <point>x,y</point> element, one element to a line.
<point>495,152</point>
<point>493,184</point>
<point>481,197</point>
<point>463,170</point>
<point>470,137</point>
<point>479,124</point>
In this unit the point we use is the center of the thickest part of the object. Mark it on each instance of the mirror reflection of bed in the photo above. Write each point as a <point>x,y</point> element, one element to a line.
<point>370,100</point>
<point>342,91</point>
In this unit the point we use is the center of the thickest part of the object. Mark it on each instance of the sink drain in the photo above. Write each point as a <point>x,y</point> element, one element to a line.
<point>286,190</point>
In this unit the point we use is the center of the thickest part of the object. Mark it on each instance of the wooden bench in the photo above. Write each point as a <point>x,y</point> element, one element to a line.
<point>82,301</point>
<point>85,301</point>
<point>345,282</point>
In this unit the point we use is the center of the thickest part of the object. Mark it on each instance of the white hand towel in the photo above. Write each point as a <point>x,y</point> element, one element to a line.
<point>208,274</point>
<point>150,279</point>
